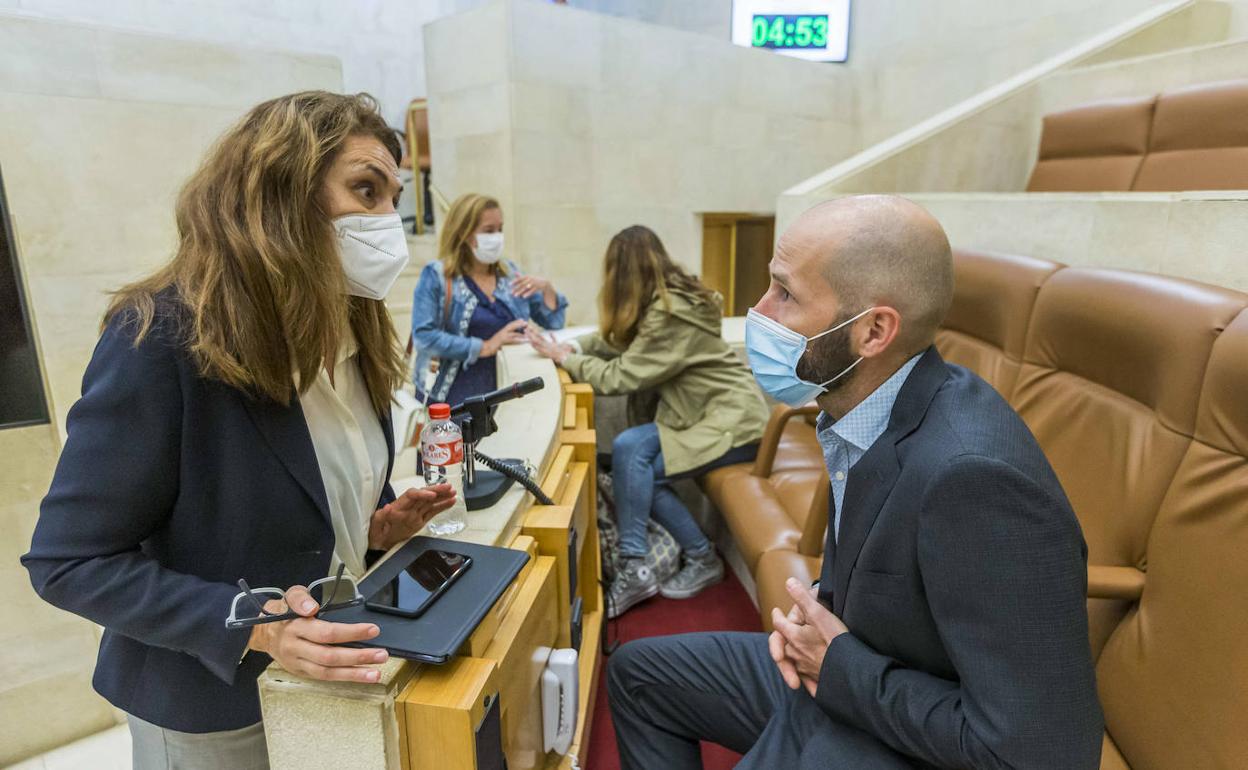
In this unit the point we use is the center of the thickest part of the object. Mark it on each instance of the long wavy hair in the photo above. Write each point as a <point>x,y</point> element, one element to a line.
<point>455,240</point>
<point>637,271</point>
<point>257,275</point>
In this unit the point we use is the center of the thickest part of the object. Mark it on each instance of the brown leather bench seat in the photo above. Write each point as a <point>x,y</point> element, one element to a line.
<point>1191,138</point>
<point>767,503</point>
<point>1136,386</point>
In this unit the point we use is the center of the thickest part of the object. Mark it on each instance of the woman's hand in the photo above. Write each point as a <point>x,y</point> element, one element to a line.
<point>526,286</point>
<point>304,645</point>
<point>547,347</point>
<point>510,334</point>
<point>396,522</point>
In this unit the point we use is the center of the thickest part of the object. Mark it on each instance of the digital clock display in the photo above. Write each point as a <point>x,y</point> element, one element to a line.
<point>814,30</point>
<point>789,31</point>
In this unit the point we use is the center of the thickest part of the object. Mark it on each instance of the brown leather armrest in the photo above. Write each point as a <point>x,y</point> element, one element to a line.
<point>1104,582</point>
<point>816,527</point>
<point>780,416</point>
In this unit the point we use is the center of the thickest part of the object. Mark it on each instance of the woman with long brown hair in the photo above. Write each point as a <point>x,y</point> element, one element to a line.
<point>659,329</point>
<point>234,424</point>
<point>471,301</point>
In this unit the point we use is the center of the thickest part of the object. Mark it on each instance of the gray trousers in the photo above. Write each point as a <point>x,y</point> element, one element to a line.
<point>156,748</point>
<point>669,692</point>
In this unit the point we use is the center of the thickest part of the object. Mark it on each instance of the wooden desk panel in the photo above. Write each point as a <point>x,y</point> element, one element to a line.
<point>521,649</point>
<point>440,710</point>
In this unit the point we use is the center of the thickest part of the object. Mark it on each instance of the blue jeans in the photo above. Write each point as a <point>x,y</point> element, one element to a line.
<point>643,489</point>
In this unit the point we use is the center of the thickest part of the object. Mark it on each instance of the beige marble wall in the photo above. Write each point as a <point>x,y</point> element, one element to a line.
<point>707,17</point>
<point>378,41</point>
<point>1239,18</point>
<point>46,656</point>
<point>1199,236</point>
<point>915,58</point>
<point>1195,235</point>
<point>1227,60</point>
<point>101,128</point>
<point>466,57</point>
<point>1206,21</point>
<point>599,123</point>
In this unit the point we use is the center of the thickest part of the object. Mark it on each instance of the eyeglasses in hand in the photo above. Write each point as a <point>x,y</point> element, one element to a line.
<point>331,593</point>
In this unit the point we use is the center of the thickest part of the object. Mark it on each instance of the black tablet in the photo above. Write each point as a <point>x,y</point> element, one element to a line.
<point>446,622</point>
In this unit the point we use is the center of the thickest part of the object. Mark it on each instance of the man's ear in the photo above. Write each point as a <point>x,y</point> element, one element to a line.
<point>878,329</point>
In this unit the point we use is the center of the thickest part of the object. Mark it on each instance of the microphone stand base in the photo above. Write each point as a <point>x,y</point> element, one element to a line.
<point>488,488</point>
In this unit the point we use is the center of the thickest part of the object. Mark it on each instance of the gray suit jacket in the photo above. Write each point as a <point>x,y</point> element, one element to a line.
<point>961,574</point>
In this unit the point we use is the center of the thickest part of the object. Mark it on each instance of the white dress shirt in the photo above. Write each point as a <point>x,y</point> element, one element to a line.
<point>351,452</point>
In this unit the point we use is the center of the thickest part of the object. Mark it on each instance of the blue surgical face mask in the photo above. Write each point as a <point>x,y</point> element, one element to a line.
<point>774,350</point>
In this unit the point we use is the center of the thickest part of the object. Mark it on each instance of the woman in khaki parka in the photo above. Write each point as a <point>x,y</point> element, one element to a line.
<point>660,331</point>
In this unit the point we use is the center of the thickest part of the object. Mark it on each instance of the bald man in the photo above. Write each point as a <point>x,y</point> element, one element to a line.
<point>948,628</point>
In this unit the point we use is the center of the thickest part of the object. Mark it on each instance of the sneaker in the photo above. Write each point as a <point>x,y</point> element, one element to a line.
<point>634,583</point>
<point>698,572</point>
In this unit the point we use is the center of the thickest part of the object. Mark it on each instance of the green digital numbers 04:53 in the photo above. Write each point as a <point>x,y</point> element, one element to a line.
<point>789,31</point>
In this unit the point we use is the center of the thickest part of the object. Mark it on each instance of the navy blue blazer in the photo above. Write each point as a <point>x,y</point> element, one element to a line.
<point>169,489</point>
<point>961,573</point>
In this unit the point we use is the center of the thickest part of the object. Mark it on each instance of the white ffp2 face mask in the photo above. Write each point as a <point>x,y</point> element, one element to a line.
<point>374,252</point>
<point>489,247</point>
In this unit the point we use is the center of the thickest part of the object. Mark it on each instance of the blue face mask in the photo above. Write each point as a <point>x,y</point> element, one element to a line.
<point>774,350</point>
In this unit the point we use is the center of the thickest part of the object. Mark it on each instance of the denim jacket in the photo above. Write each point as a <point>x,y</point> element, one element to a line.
<point>449,342</point>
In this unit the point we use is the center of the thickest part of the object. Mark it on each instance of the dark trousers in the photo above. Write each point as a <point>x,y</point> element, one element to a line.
<point>669,692</point>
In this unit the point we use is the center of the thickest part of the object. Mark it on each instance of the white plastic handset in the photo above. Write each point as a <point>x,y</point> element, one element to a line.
<point>559,700</point>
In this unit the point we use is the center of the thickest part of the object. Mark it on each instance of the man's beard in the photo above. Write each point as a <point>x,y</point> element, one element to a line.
<point>827,357</point>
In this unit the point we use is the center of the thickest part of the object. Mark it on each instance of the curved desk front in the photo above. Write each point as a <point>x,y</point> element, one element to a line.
<point>425,717</point>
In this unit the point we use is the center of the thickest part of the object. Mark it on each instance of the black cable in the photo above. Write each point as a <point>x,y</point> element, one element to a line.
<point>516,475</point>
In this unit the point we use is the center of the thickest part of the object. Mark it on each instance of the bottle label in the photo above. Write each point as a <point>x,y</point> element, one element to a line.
<point>443,454</point>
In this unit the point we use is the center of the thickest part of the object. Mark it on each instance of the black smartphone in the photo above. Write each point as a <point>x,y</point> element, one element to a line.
<point>416,588</point>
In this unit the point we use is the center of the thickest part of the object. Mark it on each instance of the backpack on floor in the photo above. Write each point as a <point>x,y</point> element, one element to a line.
<point>663,556</point>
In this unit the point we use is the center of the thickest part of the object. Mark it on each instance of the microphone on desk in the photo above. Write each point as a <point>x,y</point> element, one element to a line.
<point>472,404</point>
<point>475,417</point>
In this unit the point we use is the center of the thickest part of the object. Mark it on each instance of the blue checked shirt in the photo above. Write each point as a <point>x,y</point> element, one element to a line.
<point>845,441</point>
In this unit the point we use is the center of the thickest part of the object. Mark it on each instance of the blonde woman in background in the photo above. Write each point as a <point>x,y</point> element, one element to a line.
<point>660,330</point>
<point>470,302</point>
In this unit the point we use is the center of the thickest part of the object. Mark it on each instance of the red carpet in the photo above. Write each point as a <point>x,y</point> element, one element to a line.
<point>725,607</point>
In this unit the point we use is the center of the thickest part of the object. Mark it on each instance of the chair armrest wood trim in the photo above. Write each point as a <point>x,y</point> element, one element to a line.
<point>1124,583</point>
<point>816,527</point>
<point>780,416</point>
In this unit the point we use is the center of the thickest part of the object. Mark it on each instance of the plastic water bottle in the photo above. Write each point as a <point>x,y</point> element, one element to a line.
<point>442,455</point>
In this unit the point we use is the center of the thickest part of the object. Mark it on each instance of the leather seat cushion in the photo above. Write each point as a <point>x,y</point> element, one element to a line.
<point>1113,173</point>
<point>1111,758</point>
<point>1093,147</point>
<point>989,362</point>
<point>756,516</point>
<point>1199,139</point>
<point>986,327</point>
<point>1173,677</point>
<point>798,448</point>
<point>1110,383</point>
<point>713,482</point>
<point>774,568</point>
<point>1224,168</point>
